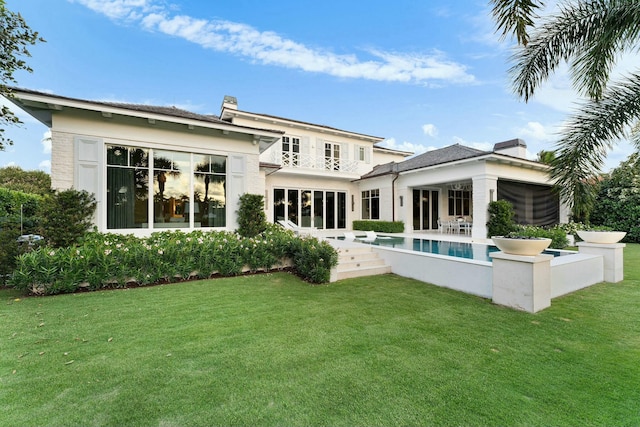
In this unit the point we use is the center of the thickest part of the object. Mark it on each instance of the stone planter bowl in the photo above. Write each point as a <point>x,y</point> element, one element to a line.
<point>602,237</point>
<point>515,246</point>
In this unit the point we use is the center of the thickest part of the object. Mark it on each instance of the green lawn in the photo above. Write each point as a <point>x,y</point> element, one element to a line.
<point>272,350</point>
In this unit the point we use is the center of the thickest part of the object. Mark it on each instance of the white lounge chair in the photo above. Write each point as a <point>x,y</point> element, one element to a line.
<point>290,225</point>
<point>372,236</point>
<point>349,236</point>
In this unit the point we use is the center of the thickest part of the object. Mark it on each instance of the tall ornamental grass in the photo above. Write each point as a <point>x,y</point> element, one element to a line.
<point>105,261</point>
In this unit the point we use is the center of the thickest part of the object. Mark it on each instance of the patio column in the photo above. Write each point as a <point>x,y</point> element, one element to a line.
<point>485,190</point>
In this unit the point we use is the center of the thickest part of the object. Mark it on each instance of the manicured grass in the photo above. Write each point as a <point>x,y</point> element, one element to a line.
<point>273,350</point>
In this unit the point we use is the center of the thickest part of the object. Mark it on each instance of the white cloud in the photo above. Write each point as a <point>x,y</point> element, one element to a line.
<point>404,146</point>
<point>10,164</point>
<point>484,146</point>
<point>537,131</point>
<point>430,130</point>
<point>269,48</point>
<point>45,166</point>
<point>46,142</point>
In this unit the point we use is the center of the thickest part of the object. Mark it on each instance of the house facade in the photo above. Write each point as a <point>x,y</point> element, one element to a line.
<point>152,168</point>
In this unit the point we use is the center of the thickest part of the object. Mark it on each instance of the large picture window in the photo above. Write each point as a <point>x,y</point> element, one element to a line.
<point>180,181</point>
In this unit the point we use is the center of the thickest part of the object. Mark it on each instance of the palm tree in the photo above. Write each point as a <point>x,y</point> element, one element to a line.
<point>546,157</point>
<point>589,35</point>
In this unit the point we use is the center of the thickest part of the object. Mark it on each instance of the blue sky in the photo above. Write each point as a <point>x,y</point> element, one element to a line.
<point>422,74</point>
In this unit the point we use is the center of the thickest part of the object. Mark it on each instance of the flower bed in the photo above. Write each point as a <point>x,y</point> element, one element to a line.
<point>116,261</point>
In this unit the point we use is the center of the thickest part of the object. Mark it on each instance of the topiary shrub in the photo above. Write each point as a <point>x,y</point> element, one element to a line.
<point>500,222</point>
<point>251,217</point>
<point>66,216</point>
<point>379,226</point>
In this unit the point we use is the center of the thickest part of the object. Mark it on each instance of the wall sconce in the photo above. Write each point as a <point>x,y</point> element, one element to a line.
<point>401,201</point>
<point>353,203</point>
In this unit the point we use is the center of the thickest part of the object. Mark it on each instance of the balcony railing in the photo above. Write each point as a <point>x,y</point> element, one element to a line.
<point>308,161</point>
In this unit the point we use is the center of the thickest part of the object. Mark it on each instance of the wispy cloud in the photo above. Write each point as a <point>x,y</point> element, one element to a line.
<point>405,146</point>
<point>269,48</point>
<point>430,130</point>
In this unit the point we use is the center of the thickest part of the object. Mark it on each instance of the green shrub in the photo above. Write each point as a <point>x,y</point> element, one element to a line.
<point>17,207</point>
<point>617,204</point>
<point>313,259</point>
<point>251,217</point>
<point>557,235</point>
<point>111,260</point>
<point>66,216</point>
<point>571,227</point>
<point>18,215</point>
<point>379,226</point>
<point>501,215</point>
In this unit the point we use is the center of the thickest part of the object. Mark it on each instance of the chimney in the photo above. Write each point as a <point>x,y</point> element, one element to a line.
<point>513,147</point>
<point>230,102</point>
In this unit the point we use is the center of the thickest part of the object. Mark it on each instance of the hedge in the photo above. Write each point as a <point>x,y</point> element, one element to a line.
<point>105,261</point>
<point>379,226</point>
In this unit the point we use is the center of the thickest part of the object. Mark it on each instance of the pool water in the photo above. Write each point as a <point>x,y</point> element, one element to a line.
<point>475,251</point>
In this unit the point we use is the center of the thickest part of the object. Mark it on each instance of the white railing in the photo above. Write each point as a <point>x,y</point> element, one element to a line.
<point>307,161</point>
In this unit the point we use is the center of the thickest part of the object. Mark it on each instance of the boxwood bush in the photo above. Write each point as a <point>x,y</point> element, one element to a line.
<point>379,226</point>
<point>104,261</point>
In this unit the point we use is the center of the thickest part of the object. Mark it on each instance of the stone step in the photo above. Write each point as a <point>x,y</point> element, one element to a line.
<point>362,272</point>
<point>358,262</point>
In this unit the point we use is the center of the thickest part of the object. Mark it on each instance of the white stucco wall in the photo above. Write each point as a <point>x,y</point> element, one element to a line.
<point>243,174</point>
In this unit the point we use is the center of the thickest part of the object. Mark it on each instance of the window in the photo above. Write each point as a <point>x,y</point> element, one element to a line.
<point>209,181</point>
<point>371,204</point>
<point>332,156</point>
<point>459,202</point>
<point>290,151</point>
<point>311,208</point>
<point>362,153</point>
<point>127,187</point>
<point>179,181</point>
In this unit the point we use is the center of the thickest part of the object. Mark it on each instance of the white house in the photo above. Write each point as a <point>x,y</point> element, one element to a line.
<point>153,168</point>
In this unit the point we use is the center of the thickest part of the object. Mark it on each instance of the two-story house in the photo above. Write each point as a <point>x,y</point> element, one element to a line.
<point>152,168</point>
<point>315,169</point>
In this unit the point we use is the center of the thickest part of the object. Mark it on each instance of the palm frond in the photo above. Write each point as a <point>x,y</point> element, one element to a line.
<point>586,34</point>
<point>515,17</point>
<point>588,137</point>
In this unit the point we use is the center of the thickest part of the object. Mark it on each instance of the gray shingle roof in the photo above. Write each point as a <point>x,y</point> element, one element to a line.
<point>448,154</point>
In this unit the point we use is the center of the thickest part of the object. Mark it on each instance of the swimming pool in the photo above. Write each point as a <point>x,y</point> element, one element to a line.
<point>475,251</point>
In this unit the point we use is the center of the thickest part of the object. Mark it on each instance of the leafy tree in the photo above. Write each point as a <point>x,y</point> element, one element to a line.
<point>590,36</point>
<point>617,203</point>
<point>15,38</point>
<point>33,182</point>
<point>251,218</point>
<point>66,216</point>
